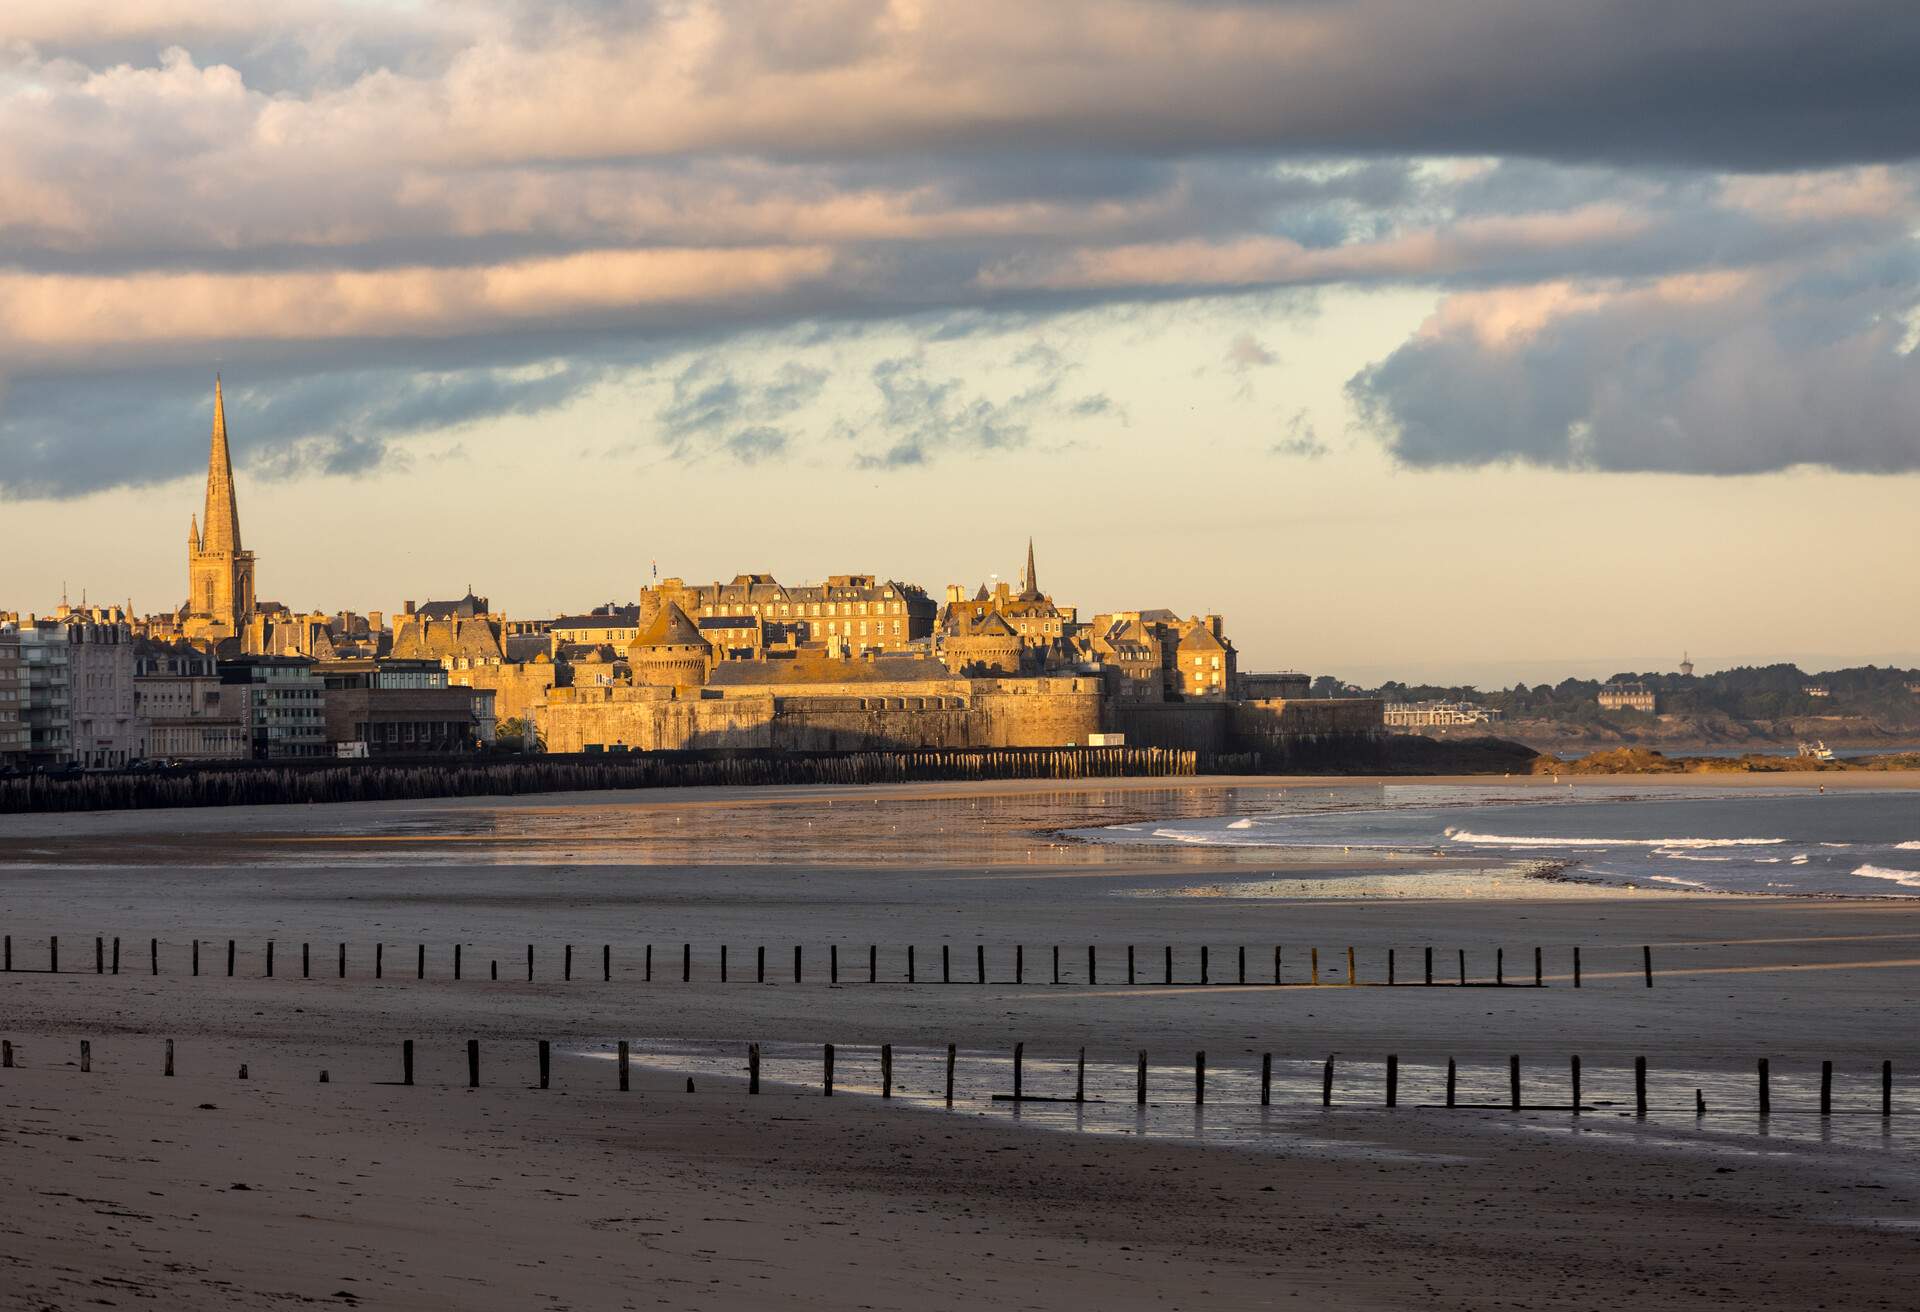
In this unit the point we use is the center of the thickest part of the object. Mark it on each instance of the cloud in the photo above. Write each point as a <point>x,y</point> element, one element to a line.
<point>1705,375</point>
<point>514,199</point>
<point>713,408</point>
<point>1244,353</point>
<point>1301,439</point>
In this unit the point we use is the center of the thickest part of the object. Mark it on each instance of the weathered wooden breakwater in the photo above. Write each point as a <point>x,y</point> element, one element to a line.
<point>1194,968</point>
<point>250,785</point>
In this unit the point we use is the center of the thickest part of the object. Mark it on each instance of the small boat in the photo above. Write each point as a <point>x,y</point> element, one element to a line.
<point>1816,751</point>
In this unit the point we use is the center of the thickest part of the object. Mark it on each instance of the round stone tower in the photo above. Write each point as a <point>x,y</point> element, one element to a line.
<point>670,653</point>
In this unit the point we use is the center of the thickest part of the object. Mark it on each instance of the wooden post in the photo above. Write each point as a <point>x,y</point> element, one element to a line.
<point>420,961</point>
<point>546,1061</point>
<point>9,954</point>
<point>343,962</point>
<point>153,955</point>
<point>1429,953</point>
<point>116,954</point>
<point>196,958</point>
<point>305,962</point>
<point>1352,977</point>
<point>1500,966</point>
<point>796,963</point>
<point>1140,1081</point>
<point>1129,963</point>
<point>1766,1088</point>
<point>1093,974</point>
<point>1390,969</point>
<point>648,978</point>
<point>686,962</point>
<point>1646,963</point>
<point>950,1057</point>
<point>1452,1081</point>
<point>1326,1084</point>
<point>1243,964</point>
<point>493,969</point>
<point>379,960</point>
<point>6,1054</point>
<point>1266,1079</point>
<point>1576,965</point>
<point>946,965</point>
<point>828,1078</point>
<point>623,1066</point>
<point>886,1070</point>
<point>169,1067</point>
<point>1056,963</point>
<point>1169,970</point>
<point>913,971</point>
<point>1205,975</point>
<point>1640,1087</point>
<point>229,958</point>
<point>1463,965</point>
<point>723,963</point>
<point>1538,978</point>
<point>1019,964</point>
<point>1276,963</point>
<point>53,954</point>
<point>1393,1080</point>
<point>1699,1103</point>
<point>99,955</point>
<point>343,949</point>
<point>1886,1088</point>
<point>1513,1080</point>
<point>873,963</point>
<point>456,961</point>
<point>269,958</point>
<point>606,963</point>
<point>980,963</point>
<point>1573,1074</point>
<point>1826,1088</point>
<point>1199,1079</point>
<point>406,1062</point>
<point>1019,1061</point>
<point>473,1063</point>
<point>833,963</point>
<point>86,1056</point>
<point>760,964</point>
<point>753,1068</point>
<point>1080,1078</point>
<point>1313,976</point>
<point>566,964</point>
<point>243,1070</point>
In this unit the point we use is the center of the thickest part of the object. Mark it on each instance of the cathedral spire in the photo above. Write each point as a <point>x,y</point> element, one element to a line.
<point>1030,585</point>
<point>223,510</point>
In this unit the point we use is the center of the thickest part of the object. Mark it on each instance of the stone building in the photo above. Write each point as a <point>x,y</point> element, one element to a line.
<point>1626,697</point>
<point>861,610</point>
<point>186,713</point>
<point>671,653</point>
<point>106,732</point>
<point>1154,655</point>
<point>611,625</point>
<point>1041,626</point>
<point>220,584</point>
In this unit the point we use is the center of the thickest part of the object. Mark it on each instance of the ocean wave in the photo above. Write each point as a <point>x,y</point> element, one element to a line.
<point>1510,840</point>
<point>1241,824</point>
<point>1914,846</point>
<point>1911,878</point>
<point>1680,856</point>
<point>1675,879</point>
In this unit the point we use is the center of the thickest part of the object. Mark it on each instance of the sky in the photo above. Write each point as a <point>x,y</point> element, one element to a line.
<point>1479,341</point>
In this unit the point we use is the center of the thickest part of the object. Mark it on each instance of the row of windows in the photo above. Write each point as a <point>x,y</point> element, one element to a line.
<point>1201,660</point>
<point>814,610</point>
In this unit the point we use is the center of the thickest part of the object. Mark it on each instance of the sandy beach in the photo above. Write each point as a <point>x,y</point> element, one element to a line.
<point>362,1192</point>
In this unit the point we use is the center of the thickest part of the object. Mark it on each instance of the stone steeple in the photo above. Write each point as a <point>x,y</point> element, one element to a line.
<point>1030,582</point>
<point>223,509</point>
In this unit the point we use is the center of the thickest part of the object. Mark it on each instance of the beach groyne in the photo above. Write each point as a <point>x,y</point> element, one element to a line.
<point>251,784</point>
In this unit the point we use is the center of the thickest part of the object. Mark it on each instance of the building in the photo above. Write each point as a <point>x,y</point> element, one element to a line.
<point>1438,715</point>
<point>42,719</point>
<point>185,711</point>
<point>107,734</point>
<point>1031,615</point>
<point>220,583</point>
<point>14,737</point>
<point>610,625</point>
<point>401,707</point>
<point>1154,655</point>
<point>282,704</point>
<point>1276,685</point>
<point>861,610</point>
<point>1817,690</point>
<point>1626,697</point>
<point>1686,666</point>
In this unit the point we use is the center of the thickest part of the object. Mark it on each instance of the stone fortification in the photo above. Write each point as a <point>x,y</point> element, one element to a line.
<point>809,716</point>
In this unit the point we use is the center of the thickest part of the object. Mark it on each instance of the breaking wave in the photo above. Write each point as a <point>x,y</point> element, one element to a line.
<point>1914,846</point>
<point>1911,878</point>
<point>1511,840</point>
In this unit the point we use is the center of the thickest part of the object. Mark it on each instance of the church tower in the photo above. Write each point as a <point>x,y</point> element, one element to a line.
<point>1030,583</point>
<point>219,571</point>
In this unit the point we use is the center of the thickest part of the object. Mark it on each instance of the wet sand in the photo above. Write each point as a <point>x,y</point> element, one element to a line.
<point>581,1197</point>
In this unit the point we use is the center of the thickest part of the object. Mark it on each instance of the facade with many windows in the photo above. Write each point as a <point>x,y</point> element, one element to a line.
<point>283,705</point>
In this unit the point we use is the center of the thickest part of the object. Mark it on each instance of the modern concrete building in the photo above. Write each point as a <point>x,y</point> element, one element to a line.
<point>401,707</point>
<point>283,705</point>
<point>107,734</point>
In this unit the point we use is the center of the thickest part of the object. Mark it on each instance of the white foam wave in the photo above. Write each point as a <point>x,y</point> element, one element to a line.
<point>1241,824</point>
<point>1511,840</point>
<point>1675,879</point>
<point>1914,846</point>
<point>1799,860</point>
<point>1911,878</point>
<point>1679,856</point>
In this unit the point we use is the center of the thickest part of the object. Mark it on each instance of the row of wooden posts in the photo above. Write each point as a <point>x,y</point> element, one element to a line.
<point>623,1059</point>
<point>1206,973</point>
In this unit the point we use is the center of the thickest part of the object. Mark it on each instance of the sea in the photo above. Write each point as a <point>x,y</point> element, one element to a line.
<point>1851,843</point>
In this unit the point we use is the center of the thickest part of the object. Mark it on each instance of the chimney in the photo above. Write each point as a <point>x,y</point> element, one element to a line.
<point>408,607</point>
<point>1214,626</point>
